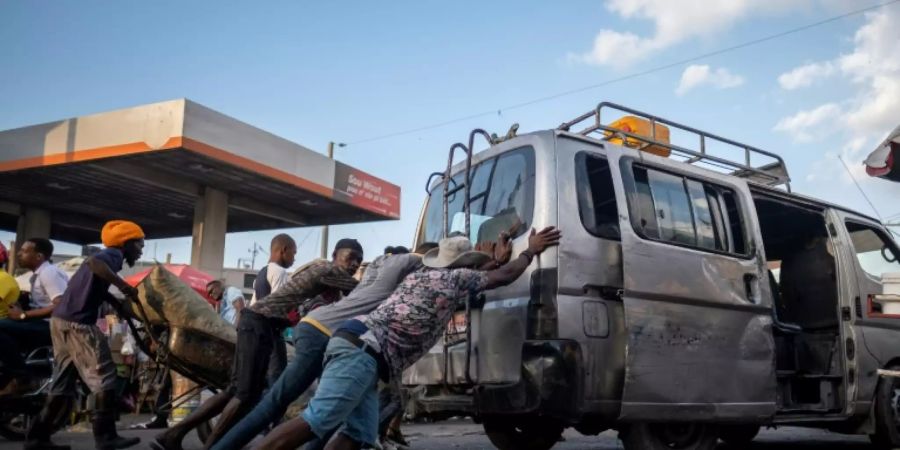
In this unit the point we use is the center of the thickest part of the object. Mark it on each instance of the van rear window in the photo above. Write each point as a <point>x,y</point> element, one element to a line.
<point>501,198</point>
<point>672,208</point>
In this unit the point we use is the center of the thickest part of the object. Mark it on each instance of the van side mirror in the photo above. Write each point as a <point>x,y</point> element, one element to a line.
<point>888,254</point>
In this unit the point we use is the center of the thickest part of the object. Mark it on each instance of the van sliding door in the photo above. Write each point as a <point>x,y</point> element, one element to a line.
<point>697,312</point>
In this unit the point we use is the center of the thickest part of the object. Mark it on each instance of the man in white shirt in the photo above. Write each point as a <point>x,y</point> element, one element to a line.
<point>230,298</point>
<point>282,251</point>
<point>30,329</point>
<point>281,256</point>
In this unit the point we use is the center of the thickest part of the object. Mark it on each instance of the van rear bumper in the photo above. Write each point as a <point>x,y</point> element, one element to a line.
<point>549,383</point>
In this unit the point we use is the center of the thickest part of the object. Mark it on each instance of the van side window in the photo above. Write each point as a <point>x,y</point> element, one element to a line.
<point>734,222</point>
<point>875,252</point>
<point>672,208</point>
<point>596,197</point>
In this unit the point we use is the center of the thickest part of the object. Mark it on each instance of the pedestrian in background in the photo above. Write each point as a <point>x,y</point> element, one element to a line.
<point>282,251</point>
<point>229,300</point>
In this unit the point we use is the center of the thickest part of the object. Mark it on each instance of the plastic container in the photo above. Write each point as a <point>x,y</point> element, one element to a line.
<point>641,127</point>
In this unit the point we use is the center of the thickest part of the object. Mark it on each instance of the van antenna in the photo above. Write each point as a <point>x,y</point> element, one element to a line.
<point>861,191</point>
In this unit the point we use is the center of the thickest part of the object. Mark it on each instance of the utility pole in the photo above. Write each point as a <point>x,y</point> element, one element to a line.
<point>324,253</point>
<point>253,252</point>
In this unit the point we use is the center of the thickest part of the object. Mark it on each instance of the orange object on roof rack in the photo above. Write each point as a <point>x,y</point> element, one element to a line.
<point>640,127</point>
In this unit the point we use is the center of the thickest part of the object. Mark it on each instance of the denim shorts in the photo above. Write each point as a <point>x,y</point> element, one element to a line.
<point>347,394</point>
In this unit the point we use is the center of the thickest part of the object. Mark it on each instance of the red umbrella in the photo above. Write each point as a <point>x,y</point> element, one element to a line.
<point>194,278</point>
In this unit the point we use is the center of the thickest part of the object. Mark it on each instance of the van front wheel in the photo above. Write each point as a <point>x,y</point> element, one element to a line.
<point>666,436</point>
<point>887,413</point>
<point>523,433</point>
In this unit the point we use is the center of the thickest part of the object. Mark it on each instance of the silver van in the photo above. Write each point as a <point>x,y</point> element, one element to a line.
<point>693,296</point>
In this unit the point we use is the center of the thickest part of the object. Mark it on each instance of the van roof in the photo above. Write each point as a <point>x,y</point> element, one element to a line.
<point>712,152</point>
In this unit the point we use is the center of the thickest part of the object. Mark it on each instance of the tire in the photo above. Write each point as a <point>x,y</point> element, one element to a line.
<point>12,427</point>
<point>681,436</point>
<point>523,433</point>
<point>738,436</point>
<point>887,413</point>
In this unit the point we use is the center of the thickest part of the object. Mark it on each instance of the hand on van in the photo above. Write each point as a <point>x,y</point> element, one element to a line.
<point>539,241</point>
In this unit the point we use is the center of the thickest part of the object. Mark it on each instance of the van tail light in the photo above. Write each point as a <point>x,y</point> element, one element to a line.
<point>542,312</point>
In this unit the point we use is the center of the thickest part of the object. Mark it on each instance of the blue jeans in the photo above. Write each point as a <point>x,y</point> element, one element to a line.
<point>309,346</point>
<point>347,394</point>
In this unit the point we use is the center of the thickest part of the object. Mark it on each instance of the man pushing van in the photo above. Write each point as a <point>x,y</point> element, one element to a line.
<point>392,338</point>
<point>258,329</point>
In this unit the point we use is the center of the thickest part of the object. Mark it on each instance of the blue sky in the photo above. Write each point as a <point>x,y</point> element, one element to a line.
<point>348,71</point>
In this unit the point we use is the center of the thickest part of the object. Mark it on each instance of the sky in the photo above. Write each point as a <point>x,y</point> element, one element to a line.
<point>314,72</point>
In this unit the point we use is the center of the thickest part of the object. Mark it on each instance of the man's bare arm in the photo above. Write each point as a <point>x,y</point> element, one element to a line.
<point>100,269</point>
<point>537,243</point>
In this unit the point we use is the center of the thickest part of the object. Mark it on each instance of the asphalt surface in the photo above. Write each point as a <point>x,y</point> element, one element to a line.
<point>465,435</point>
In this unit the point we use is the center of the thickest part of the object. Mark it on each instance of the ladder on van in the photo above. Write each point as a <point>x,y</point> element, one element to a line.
<point>464,186</point>
<point>772,171</point>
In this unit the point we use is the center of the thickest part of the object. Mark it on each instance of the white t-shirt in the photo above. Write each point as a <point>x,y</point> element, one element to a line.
<point>47,282</point>
<point>276,276</point>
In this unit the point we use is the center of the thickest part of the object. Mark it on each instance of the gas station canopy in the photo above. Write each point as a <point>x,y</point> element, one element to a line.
<point>177,168</point>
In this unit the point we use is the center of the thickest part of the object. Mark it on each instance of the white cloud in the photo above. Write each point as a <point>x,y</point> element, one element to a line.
<point>873,109</point>
<point>805,75</point>
<point>860,119</point>
<point>699,75</point>
<point>804,126</point>
<point>874,65</point>
<point>674,22</point>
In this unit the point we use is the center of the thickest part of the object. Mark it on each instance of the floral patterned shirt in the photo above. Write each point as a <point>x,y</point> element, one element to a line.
<point>413,318</point>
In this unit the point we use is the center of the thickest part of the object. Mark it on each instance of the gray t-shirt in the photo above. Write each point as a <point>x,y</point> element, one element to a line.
<point>378,283</point>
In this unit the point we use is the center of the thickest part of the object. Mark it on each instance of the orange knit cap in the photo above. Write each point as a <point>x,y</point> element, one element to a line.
<point>117,232</point>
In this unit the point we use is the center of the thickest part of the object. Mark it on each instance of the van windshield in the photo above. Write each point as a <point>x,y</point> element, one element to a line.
<point>501,198</point>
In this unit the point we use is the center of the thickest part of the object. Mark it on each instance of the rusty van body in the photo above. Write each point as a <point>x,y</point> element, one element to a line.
<point>693,296</point>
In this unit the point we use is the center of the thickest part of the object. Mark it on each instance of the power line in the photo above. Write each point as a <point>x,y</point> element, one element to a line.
<point>628,76</point>
<point>861,191</point>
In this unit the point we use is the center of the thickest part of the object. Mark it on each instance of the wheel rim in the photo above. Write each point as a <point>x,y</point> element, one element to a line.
<point>678,435</point>
<point>17,423</point>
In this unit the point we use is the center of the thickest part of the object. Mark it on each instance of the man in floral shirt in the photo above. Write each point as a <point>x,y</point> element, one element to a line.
<point>393,337</point>
<point>258,328</point>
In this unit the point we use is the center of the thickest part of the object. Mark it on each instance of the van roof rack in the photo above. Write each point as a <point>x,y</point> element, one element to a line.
<point>772,172</point>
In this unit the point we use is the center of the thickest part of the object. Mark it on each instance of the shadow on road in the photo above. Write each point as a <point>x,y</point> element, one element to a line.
<point>795,445</point>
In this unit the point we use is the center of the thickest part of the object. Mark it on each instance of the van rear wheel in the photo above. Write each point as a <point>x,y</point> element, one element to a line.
<point>523,433</point>
<point>887,413</point>
<point>665,436</point>
<point>738,436</point>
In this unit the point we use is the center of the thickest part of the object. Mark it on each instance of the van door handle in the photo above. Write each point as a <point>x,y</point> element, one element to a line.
<point>749,282</point>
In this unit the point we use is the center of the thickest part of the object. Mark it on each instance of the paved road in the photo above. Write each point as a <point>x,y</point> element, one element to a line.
<point>464,435</point>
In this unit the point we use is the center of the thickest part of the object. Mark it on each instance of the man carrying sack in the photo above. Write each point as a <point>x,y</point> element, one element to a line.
<point>80,349</point>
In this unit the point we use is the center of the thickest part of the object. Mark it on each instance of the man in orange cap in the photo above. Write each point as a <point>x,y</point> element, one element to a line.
<point>80,349</point>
